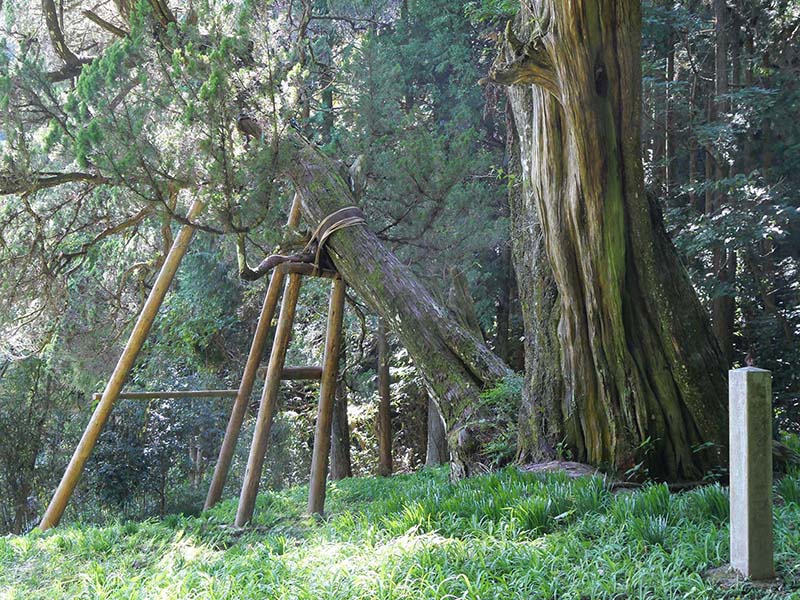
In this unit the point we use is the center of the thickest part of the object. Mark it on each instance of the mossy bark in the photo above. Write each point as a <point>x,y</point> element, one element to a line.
<point>541,421</point>
<point>643,376</point>
<point>454,362</point>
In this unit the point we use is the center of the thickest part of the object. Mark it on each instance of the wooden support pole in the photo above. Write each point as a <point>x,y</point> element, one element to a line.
<point>327,392</point>
<point>239,409</point>
<point>269,397</point>
<point>137,338</point>
<point>384,416</point>
<point>295,212</point>
<point>750,409</point>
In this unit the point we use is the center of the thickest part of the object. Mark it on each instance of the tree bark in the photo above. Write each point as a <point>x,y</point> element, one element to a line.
<point>455,364</point>
<point>643,376</point>
<point>436,450</point>
<point>541,423</point>
<point>461,304</point>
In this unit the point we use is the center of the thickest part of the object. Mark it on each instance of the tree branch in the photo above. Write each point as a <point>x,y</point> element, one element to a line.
<point>523,64</point>
<point>56,34</point>
<point>163,13</point>
<point>110,27</point>
<point>66,257</point>
<point>67,71</point>
<point>352,21</point>
<point>21,185</point>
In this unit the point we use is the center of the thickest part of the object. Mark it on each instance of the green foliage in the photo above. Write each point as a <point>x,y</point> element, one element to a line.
<point>650,530</point>
<point>499,407</point>
<point>708,503</point>
<point>34,409</point>
<point>410,536</point>
<point>733,172</point>
<point>491,10</point>
<point>654,500</point>
<point>788,488</point>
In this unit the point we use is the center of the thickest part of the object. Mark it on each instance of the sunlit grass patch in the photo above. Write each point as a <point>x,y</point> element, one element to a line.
<point>788,488</point>
<point>506,535</point>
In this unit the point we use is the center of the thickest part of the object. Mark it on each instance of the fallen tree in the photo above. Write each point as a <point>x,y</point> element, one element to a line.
<point>456,364</point>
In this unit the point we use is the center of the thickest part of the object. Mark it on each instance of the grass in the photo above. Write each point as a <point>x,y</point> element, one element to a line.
<point>506,535</point>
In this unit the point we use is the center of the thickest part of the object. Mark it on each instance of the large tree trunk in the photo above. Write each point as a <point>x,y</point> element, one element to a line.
<point>643,375</point>
<point>455,364</point>
<point>541,422</point>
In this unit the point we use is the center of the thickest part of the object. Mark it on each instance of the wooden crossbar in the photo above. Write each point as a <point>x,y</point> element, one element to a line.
<point>307,269</point>
<point>174,394</point>
<point>288,373</point>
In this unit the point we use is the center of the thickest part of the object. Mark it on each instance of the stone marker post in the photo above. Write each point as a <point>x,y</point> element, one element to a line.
<point>750,397</point>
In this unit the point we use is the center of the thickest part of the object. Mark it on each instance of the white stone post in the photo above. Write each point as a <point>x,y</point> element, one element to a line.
<point>750,398</point>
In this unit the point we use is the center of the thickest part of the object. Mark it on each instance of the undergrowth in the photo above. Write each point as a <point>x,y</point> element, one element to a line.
<point>505,535</point>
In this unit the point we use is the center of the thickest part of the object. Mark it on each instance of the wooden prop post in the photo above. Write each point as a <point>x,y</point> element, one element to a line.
<point>137,338</point>
<point>245,389</point>
<point>750,397</point>
<point>239,409</point>
<point>327,392</point>
<point>269,397</point>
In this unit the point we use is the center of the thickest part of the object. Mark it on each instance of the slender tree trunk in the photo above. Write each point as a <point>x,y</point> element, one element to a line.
<point>21,508</point>
<point>693,146</point>
<point>326,81</point>
<point>454,362</point>
<point>341,466</point>
<point>501,343</point>
<point>644,384</point>
<point>669,136</point>
<point>723,305</point>
<point>384,410</point>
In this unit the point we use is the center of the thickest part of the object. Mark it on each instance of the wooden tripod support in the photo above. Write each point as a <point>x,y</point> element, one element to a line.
<point>58,504</point>
<point>266,411</point>
<point>275,373</point>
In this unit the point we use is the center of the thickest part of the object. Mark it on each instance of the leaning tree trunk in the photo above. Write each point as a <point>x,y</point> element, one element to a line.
<point>643,375</point>
<point>455,364</point>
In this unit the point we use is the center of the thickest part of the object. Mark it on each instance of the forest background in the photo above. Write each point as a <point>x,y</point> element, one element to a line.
<point>100,156</point>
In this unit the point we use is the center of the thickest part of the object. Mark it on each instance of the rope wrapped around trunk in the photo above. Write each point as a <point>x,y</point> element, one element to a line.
<point>314,251</point>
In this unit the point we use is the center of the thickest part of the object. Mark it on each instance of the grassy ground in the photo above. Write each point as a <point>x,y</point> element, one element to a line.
<point>507,535</point>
